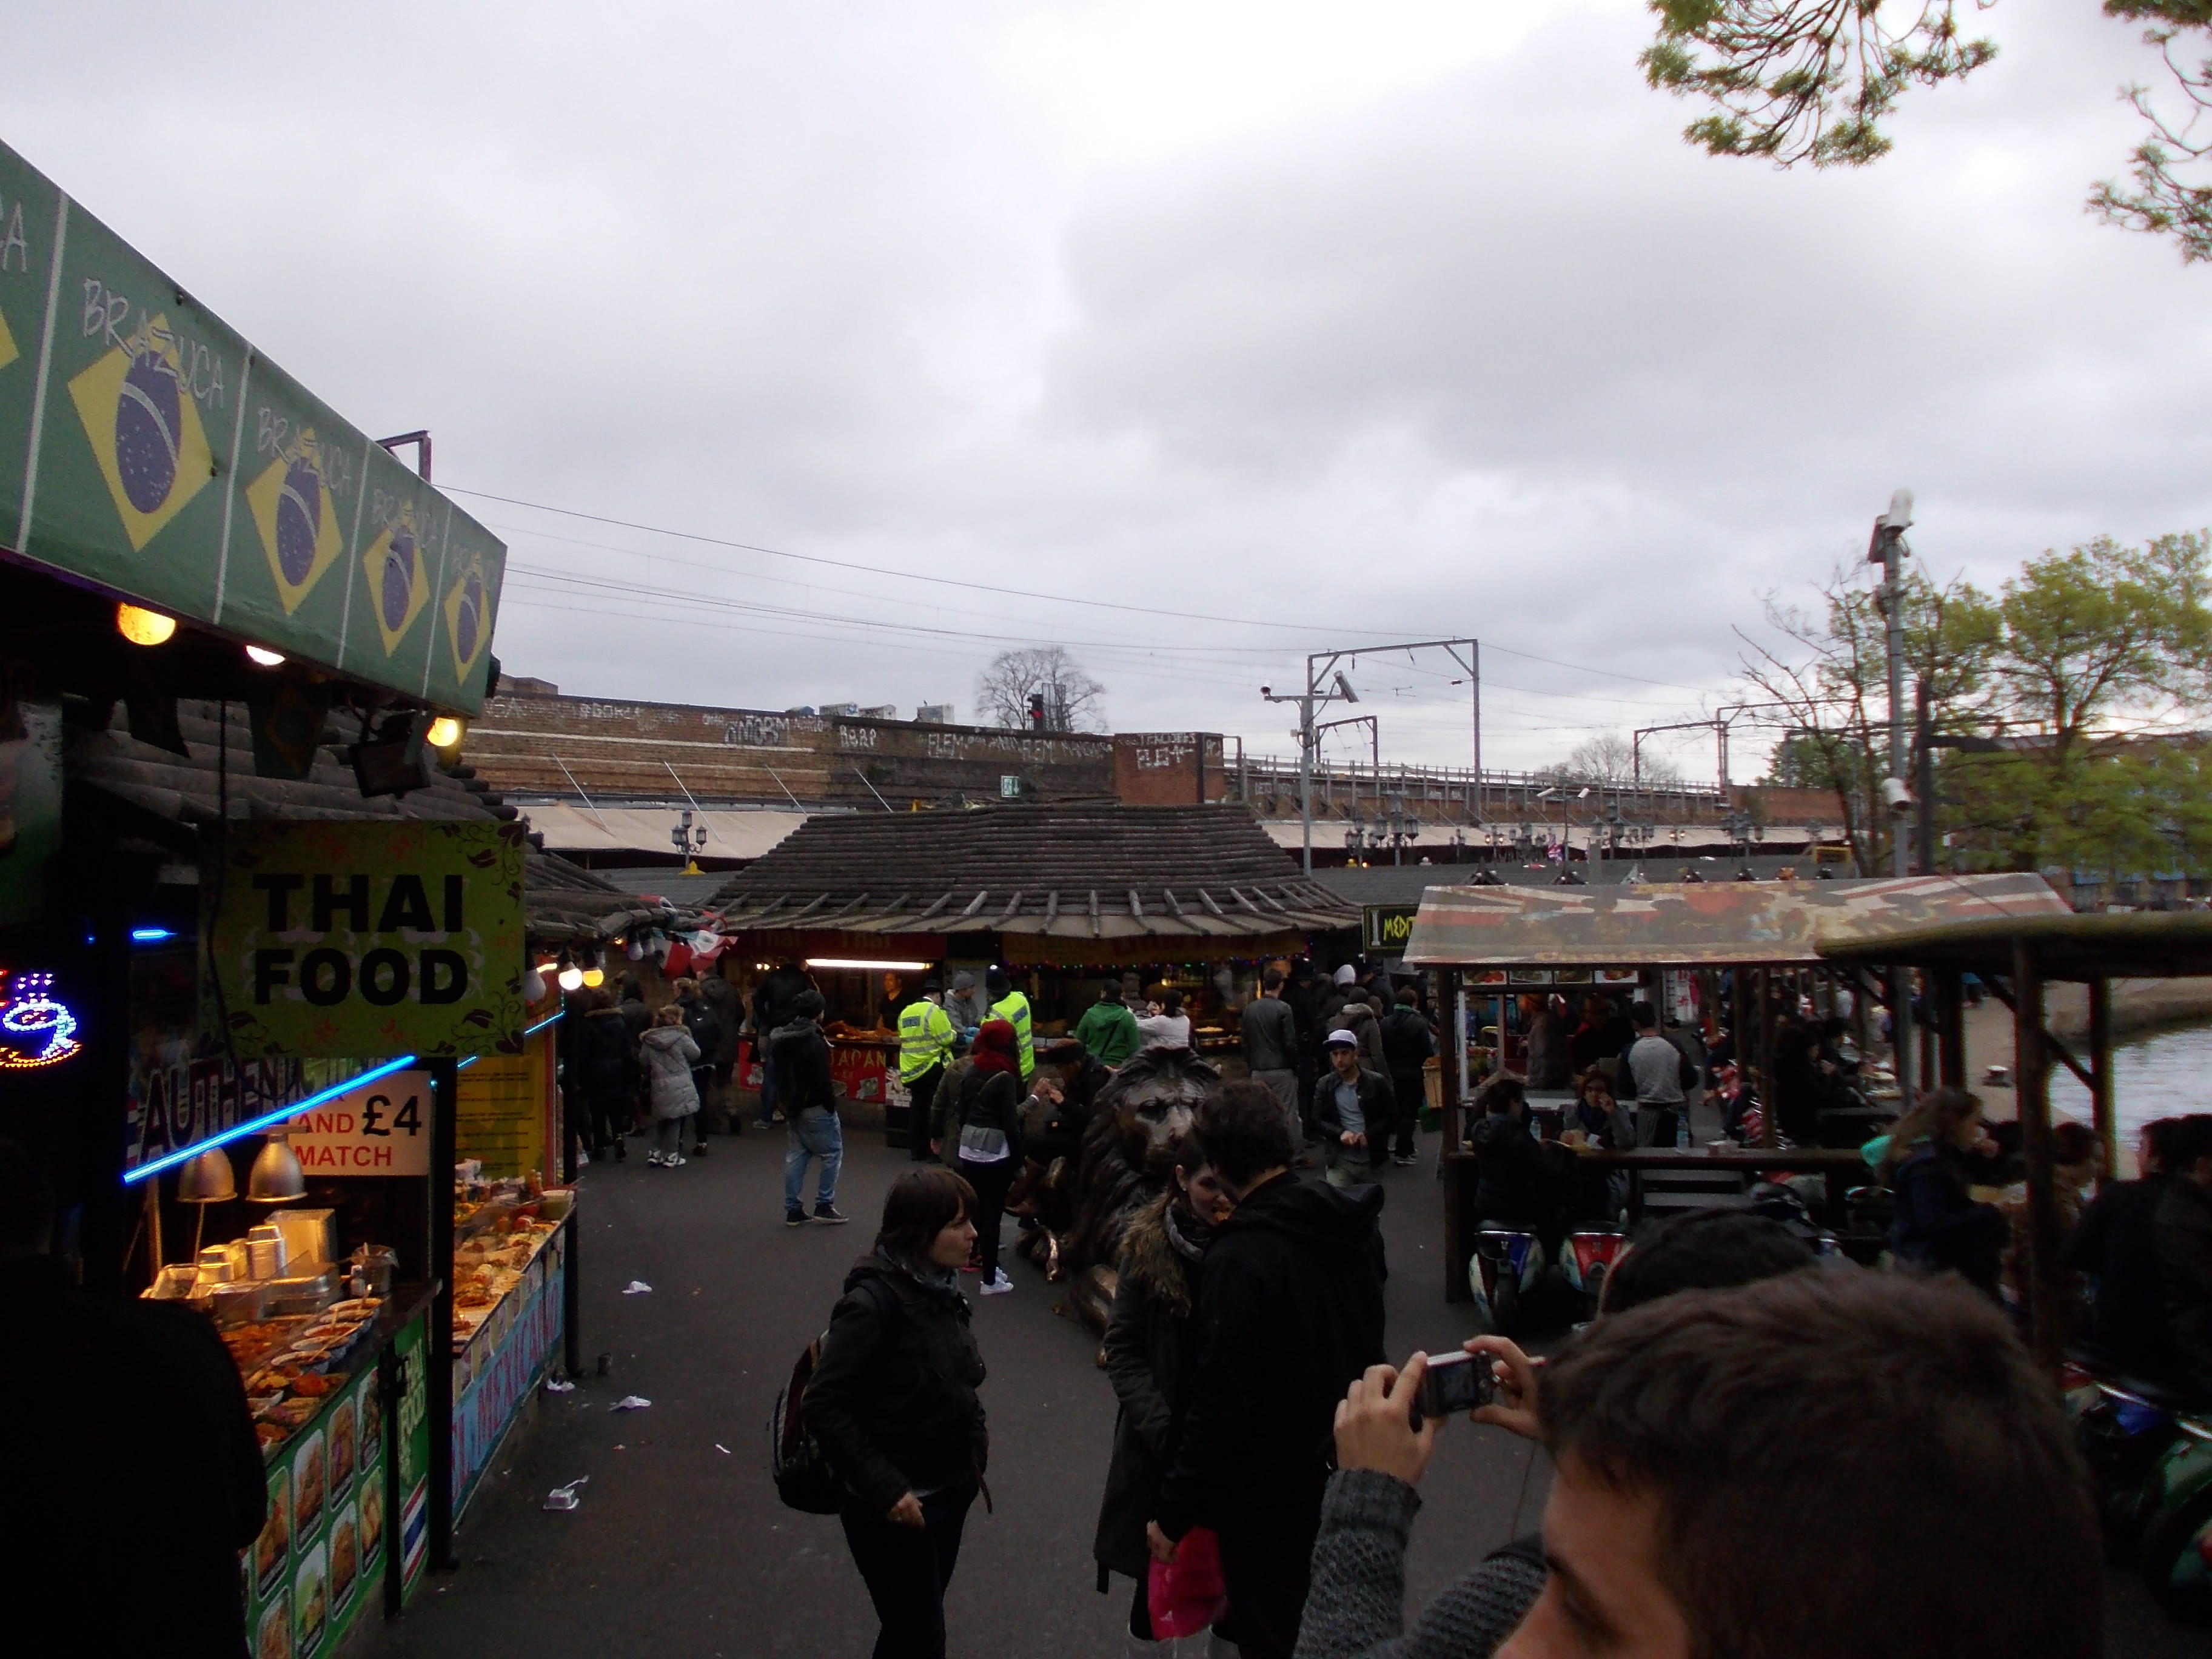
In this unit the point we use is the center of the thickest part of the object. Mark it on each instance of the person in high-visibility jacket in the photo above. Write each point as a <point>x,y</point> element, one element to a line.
<point>925,1047</point>
<point>1011,1006</point>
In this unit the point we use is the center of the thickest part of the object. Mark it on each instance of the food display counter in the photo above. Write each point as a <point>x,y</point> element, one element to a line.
<point>510,1250</point>
<point>326,1388</point>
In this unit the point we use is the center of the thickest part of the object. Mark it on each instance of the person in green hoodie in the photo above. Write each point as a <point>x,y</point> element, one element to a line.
<point>1107,1031</point>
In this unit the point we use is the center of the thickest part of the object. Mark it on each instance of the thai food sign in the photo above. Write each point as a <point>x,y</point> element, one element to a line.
<point>360,939</point>
<point>148,449</point>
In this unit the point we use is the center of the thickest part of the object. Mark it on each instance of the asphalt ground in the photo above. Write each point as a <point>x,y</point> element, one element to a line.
<point>679,1546</point>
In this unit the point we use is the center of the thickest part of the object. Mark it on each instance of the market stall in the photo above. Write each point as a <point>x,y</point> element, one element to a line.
<point>1196,898</point>
<point>251,920</point>
<point>1492,940</point>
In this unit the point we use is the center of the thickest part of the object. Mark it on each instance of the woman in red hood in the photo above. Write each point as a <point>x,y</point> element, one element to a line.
<point>989,1152</point>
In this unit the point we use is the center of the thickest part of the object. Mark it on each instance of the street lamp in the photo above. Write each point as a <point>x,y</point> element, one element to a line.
<point>690,841</point>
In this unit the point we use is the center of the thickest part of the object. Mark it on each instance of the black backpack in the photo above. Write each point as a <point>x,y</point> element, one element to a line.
<point>804,1479</point>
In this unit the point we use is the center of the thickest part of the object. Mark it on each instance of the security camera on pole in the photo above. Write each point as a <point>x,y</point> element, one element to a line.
<point>1887,549</point>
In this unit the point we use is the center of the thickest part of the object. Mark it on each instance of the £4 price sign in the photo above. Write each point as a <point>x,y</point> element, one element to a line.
<point>382,1128</point>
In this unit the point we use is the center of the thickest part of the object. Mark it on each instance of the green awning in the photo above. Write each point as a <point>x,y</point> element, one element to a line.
<point>148,451</point>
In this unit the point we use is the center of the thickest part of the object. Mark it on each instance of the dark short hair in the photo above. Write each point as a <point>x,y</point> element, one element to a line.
<point>1272,980</point>
<point>1068,1051</point>
<point>808,1005</point>
<point>1500,1092</point>
<point>1409,996</point>
<point>1883,1447</point>
<point>1642,1016</point>
<point>1110,991</point>
<point>922,1203</point>
<point>1702,1250</point>
<point>2158,1139</point>
<point>1243,1132</point>
<point>2072,1142</point>
<point>2191,1139</point>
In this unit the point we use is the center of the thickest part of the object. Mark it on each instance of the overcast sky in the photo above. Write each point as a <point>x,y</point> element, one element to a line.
<point>1343,324</point>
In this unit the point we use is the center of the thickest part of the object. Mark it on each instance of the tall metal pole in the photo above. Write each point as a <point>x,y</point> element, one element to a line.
<point>1888,546</point>
<point>1305,774</point>
<point>1474,675</point>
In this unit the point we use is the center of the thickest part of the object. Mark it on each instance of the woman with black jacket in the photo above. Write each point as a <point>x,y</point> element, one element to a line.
<point>606,1068</point>
<point>989,1155</point>
<point>1146,1353</point>
<point>893,1406</point>
<point>1936,1153</point>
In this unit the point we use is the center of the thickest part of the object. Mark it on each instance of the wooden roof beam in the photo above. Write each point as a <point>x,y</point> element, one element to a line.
<point>934,908</point>
<point>1207,899</point>
<point>974,905</point>
<point>1136,905</point>
<point>1051,907</point>
<point>1013,907</point>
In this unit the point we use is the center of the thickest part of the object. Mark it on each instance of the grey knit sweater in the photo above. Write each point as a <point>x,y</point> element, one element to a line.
<point>1356,1610</point>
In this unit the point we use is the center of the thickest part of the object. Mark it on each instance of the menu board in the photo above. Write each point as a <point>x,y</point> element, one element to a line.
<point>319,1560</point>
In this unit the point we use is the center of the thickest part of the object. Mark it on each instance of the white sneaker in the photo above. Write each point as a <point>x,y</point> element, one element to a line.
<point>674,1162</point>
<point>652,1159</point>
<point>998,1284</point>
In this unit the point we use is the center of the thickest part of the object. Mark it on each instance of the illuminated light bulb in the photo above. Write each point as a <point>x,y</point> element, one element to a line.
<point>142,627</point>
<point>445,731</point>
<point>572,979</point>
<point>265,656</point>
<point>595,977</point>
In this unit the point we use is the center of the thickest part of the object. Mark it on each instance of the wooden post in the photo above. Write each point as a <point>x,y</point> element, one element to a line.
<point>2032,1063</point>
<point>1771,1135</point>
<point>2101,1081</point>
<point>1950,1028</point>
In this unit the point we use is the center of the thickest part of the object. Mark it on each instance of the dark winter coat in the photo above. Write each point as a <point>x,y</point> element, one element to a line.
<point>703,1025</point>
<point>2116,1241</point>
<point>893,1402</point>
<point>991,1100</point>
<point>2183,1227</point>
<point>606,1057</point>
<point>1147,1351</point>
<point>729,1009</point>
<point>1407,1040</point>
<point>1290,1311</point>
<point>1377,1103</point>
<point>1517,1177</point>
<point>802,1067</point>
<point>1938,1228</point>
<point>116,1409</point>
<point>773,999</point>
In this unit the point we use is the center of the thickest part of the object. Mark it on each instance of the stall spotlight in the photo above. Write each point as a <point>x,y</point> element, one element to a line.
<point>142,627</point>
<point>445,732</point>
<point>861,963</point>
<point>263,655</point>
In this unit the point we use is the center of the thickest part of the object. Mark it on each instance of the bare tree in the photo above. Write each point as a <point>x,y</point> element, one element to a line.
<point>1072,701</point>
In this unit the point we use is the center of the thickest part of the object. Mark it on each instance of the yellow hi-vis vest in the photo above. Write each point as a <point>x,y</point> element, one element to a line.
<point>925,1038</point>
<point>1014,1009</point>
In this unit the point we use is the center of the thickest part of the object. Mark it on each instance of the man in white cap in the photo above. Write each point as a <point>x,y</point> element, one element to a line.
<point>1352,1110</point>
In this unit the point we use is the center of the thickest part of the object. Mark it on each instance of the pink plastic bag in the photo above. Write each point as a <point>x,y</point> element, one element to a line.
<point>1188,1595</point>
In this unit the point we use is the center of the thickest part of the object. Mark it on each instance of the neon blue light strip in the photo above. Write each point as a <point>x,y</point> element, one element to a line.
<point>268,1118</point>
<point>151,935</point>
<point>543,1023</point>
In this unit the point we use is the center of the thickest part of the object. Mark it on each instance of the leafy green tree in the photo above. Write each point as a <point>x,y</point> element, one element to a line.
<point>1827,681</point>
<point>1814,79</point>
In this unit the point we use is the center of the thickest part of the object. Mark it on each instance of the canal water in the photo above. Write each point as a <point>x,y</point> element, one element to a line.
<point>2165,1075</point>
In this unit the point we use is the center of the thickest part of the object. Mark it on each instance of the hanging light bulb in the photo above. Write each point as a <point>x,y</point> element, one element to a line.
<point>142,627</point>
<point>594,977</point>
<point>263,655</point>
<point>571,978</point>
<point>445,731</point>
<point>533,986</point>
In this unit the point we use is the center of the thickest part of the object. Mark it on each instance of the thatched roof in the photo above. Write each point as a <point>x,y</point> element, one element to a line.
<point>1068,871</point>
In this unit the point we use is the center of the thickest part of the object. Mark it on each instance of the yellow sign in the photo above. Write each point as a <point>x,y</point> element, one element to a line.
<point>364,941</point>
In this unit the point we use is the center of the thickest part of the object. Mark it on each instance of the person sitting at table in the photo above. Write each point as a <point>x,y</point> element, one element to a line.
<point>1519,1179</point>
<point>1599,1194</point>
<point>1937,1151</point>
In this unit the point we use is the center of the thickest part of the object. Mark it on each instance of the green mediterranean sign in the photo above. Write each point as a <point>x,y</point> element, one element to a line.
<point>148,449</point>
<point>365,939</point>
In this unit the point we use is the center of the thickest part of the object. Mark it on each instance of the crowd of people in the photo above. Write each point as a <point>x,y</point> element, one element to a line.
<point>1699,1431</point>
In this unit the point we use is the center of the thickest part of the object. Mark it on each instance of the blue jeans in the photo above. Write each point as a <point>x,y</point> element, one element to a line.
<point>813,1133</point>
<point>768,1089</point>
